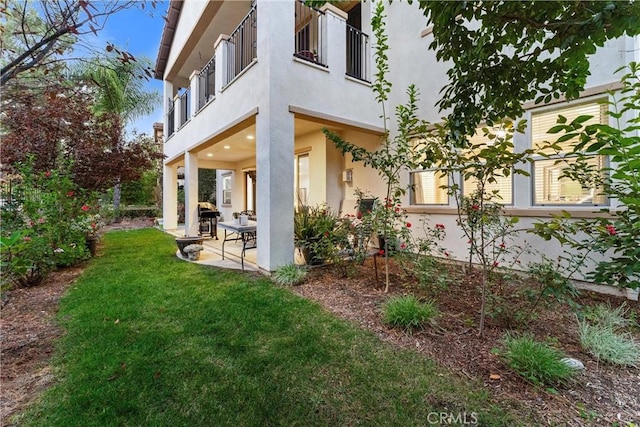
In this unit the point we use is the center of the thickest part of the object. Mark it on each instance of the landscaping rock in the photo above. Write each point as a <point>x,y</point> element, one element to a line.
<point>573,363</point>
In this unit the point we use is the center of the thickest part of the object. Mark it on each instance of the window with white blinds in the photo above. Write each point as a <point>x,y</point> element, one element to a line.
<point>549,188</point>
<point>302,180</point>
<point>542,122</point>
<point>426,188</point>
<point>499,191</point>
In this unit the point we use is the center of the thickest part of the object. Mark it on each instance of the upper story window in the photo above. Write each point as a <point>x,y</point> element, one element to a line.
<point>549,187</point>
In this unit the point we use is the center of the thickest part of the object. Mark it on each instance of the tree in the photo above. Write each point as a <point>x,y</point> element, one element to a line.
<point>59,129</point>
<point>119,92</point>
<point>42,33</point>
<point>395,154</point>
<point>505,53</point>
<point>119,86</point>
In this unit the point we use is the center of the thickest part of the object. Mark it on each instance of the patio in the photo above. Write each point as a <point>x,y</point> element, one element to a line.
<point>212,252</point>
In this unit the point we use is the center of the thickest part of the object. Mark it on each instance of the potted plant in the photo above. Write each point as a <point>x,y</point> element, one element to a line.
<point>313,227</point>
<point>89,225</point>
<point>236,217</point>
<point>193,251</point>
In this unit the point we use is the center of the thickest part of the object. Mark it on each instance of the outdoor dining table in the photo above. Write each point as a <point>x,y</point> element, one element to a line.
<point>234,231</point>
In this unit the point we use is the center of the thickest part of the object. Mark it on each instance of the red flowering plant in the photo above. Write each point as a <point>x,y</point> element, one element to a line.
<point>417,253</point>
<point>42,208</point>
<point>88,220</point>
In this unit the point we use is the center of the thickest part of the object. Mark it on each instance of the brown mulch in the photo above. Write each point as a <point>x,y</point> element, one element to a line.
<point>601,395</point>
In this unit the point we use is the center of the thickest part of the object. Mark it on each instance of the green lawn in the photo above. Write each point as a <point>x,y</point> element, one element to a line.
<point>154,341</point>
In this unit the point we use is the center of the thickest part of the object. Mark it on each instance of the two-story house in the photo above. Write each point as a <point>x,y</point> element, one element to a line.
<point>249,85</point>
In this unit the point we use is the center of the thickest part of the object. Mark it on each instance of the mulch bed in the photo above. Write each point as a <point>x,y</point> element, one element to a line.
<point>601,395</point>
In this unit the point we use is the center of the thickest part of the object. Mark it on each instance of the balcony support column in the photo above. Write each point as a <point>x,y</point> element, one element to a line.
<point>335,30</point>
<point>190,194</point>
<point>194,87</point>
<point>275,138</point>
<point>221,61</point>
<point>169,197</point>
<point>167,88</point>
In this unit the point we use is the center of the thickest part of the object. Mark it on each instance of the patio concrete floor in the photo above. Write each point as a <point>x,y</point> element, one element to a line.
<point>212,252</point>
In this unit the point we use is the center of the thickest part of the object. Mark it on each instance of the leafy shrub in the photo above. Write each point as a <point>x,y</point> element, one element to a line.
<point>134,212</point>
<point>26,258</point>
<point>43,220</point>
<point>407,312</point>
<point>289,275</point>
<point>314,232</point>
<point>535,361</point>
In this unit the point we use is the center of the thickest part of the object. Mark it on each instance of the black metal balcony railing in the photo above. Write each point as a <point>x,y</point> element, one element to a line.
<point>308,40</point>
<point>185,110</point>
<point>171,122</point>
<point>242,45</point>
<point>207,83</point>
<point>357,54</point>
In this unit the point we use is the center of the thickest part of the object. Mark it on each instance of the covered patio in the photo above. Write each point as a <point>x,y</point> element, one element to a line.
<point>212,253</point>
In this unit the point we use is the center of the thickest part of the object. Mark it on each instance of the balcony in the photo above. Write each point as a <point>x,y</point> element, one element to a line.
<point>309,45</point>
<point>357,54</point>
<point>241,46</point>
<point>185,110</point>
<point>321,39</point>
<point>207,83</point>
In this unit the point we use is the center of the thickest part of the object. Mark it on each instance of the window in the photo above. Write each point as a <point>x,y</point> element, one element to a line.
<point>226,189</point>
<point>302,180</point>
<point>548,186</point>
<point>427,188</point>
<point>500,191</point>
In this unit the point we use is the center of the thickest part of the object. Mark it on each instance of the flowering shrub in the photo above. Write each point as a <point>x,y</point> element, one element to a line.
<point>88,224</point>
<point>42,209</point>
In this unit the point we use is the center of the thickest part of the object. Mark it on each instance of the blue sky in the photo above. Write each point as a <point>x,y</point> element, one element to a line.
<point>138,32</point>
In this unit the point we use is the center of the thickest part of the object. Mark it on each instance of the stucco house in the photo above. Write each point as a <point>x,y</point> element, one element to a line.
<point>249,85</point>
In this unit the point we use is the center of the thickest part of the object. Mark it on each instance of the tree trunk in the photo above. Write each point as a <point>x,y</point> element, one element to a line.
<point>117,190</point>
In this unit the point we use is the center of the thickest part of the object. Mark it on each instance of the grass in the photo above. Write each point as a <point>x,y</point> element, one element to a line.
<point>607,345</point>
<point>535,361</point>
<point>606,316</point>
<point>601,334</point>
<point>407,312</point>
<point>289,275</point>
<point>152,340</point>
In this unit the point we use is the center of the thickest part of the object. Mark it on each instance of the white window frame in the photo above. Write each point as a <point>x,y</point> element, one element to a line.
<point>539,160</point>
<point>227,189</point>
<point>412,192</point>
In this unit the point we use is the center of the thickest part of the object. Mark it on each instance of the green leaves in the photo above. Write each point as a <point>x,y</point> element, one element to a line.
<point>545,44</point>
<point>615,237</point>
